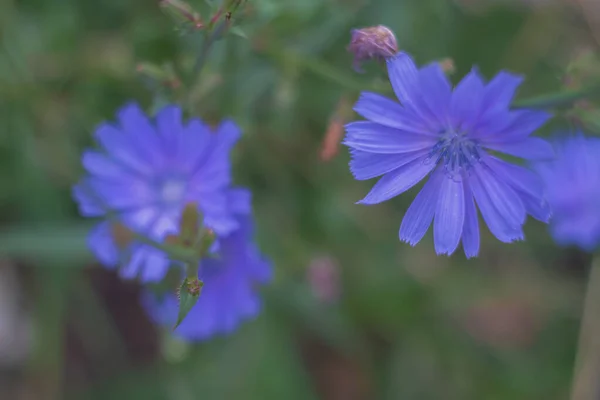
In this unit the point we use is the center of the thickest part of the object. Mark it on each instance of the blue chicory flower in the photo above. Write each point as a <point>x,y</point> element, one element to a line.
<point>449,135</point>
<point>144,176</point>
<point>229,294</point>
<point>572,183</point>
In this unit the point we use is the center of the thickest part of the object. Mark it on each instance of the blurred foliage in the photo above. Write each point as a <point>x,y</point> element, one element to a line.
<point>407,324</point>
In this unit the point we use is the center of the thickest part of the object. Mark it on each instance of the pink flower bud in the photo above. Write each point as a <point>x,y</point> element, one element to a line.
<point>377,42</point>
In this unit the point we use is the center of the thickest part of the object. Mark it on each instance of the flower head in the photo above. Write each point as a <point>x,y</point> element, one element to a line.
<point>228,296</point>
<point>377,42</point>
<point>572,183</point>
<point>145,174</point>
<point>448,135</point>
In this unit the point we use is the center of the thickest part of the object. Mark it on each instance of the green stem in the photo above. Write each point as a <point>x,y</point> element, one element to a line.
<point>208,41</point>
<point>586,385</point>
<point>559,99</point>
<point>322,69</point>
<point>331,73</point>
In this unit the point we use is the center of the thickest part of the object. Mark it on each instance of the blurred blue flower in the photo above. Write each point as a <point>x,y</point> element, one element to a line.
<point>448,134</point>
<point>144,176</point>
<point>572,183</point>
<point>229,294</point>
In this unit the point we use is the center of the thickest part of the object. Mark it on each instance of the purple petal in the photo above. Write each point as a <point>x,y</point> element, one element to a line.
<point>500,206</point>
<point>419,215</point>
<point>228,133</point>
<point>470,234</point>
<point>387,112</point>
<point>403,76</point>
<point>436,90</point>
<point>141,133</point>
<point>449,216</point>
<point>526,183</point>
<point>170,129</point>
<point>240,201</point>
<point>465,105</point>
<point>156,266</point>
<point>102,166</point>
<point>375,138</point>
<point>532,148</point>
<point>119,146</point>
<point>121,195</point>
<point>514,126</point>
<point>498,94</point>
<point>197,144</point>
<point>365,165</point>
<point>88,206</point>
<point>101,243</point>
<point>398,181</point>
<point>132,268</point>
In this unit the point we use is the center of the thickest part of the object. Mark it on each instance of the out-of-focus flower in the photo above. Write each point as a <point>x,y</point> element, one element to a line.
<point>377,42</point>
<point>448,134</point>
<point>228,296</point>
<point>572,182</point>
<point>324,279</point>
<point>145,175</point>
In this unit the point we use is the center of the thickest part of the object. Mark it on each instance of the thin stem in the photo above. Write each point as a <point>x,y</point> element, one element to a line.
<point>320,68</point>
<point>559,99</point>
<point>586,382</point>
<point>209,39</point>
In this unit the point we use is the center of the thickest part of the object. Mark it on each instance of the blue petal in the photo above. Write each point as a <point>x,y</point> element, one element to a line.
<point>228,134</point>
<point>577,231</point>
<point>532,148</point>
<point>365,165</point>
<point>88,206</point>
<point>141,133</point>
<point>213,168</point>
<point>197,144</point>
<point>375,138</point>
<point>240,201</point>
<point>133,266</point>
<point>387,112</point>
<point>170,128</point>
<point>470,234</point>
<point>513,126</point>
<point>217,214</point>
<point>142,218</point>
<point>398,181</point>
<point>119,146</point>
<point>465,105</point>
<point>500,206</point>
<point>146,263</point>
<point>121,195</point>
<point>403,76</point>
<point>419,215</point>
<point>449,216</point>
<point>101,243</point>
<point>156,266</point>
<point>436,90</point>
<point>101,165</point>
<point>499,92</point>
<point>526,183</point>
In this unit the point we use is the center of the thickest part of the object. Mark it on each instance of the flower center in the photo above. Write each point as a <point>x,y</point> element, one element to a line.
<point>172,191</point>
<point>456,151</point>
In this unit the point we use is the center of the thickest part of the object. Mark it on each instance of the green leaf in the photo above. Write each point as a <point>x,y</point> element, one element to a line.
<point>237,31</point>
<point>189,292</point>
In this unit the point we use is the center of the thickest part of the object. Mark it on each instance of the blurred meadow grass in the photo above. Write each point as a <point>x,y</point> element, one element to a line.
<point>407,324</point>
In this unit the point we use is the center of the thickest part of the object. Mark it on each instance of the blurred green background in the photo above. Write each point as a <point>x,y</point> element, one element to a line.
<point>352,312</point>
